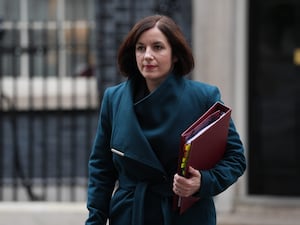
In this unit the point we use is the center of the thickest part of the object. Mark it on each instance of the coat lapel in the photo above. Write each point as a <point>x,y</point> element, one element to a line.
<point>127,135</point>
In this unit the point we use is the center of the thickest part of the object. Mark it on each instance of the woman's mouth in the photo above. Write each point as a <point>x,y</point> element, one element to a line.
<point>149,67</point>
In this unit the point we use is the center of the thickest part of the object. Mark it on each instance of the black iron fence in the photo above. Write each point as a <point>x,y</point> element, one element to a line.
<point>44,154</point>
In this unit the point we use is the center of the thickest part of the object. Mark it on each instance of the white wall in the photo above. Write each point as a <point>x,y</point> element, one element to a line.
<point>219,45</point>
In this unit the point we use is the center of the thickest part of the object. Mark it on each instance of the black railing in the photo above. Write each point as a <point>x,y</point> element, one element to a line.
<point>44,154</point>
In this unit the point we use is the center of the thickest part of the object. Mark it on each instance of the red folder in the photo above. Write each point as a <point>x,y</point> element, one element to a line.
<point>202,146</point>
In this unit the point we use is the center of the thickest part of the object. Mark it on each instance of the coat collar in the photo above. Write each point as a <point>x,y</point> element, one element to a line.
<point>128,136</point>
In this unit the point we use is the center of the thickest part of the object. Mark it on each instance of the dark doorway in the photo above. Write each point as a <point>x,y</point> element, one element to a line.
<point>274,85</point>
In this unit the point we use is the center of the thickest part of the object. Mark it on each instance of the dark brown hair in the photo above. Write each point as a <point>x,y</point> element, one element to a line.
<point>180,48</point>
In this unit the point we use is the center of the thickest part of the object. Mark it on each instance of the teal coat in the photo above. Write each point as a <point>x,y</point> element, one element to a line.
<point>136,151</point>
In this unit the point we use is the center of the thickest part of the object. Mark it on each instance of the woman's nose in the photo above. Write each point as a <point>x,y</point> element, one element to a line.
<point>148,54</point>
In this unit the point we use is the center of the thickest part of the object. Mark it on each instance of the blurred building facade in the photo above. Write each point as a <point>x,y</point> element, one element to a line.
<point>249,49</point>
<point>49,100</point>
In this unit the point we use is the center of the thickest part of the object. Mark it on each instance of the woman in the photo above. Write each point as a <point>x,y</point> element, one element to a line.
<point>139,131</point>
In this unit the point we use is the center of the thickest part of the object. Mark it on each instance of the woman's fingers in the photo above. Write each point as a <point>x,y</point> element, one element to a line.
<point>185,187</point>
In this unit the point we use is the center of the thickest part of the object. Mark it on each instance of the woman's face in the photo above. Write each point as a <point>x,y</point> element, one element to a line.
<point>153,57</point>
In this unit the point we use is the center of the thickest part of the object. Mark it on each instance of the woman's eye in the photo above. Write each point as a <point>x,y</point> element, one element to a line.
<point>140,48</point>
<point>158,47</point>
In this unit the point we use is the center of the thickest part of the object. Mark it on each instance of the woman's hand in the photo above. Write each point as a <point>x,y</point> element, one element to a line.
<point>185,187</point>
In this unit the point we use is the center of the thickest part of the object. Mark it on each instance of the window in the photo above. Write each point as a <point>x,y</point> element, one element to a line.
<point>46,39</point>
<point>45,33</point>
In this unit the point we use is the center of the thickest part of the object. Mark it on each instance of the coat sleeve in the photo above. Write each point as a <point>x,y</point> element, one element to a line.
<point>229,169</point>
<point>102,175</point>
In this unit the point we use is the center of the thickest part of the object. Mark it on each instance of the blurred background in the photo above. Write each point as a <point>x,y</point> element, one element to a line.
<point>58,56</point>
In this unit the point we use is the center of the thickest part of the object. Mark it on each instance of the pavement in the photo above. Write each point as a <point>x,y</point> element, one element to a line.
<point>260,214</point>
<point>42,213</point>
<point>76,213</point>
